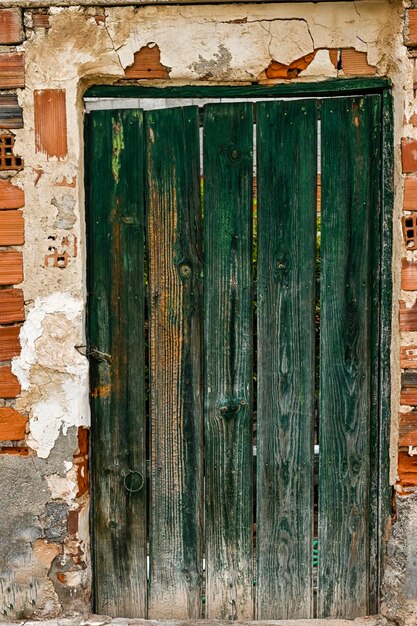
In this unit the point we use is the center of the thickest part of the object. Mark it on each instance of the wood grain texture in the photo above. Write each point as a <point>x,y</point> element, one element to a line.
<point>349,199</point>
<point>228,174</point>
<point>9,342</point>
<point>287,200</point>
<point>12,425</point>
<point>11,267</point>
<point>176,428</point>
<point>11,196</point>
<point>12,228</point>
<point>9,385</point>
<point>11,306</point>
<point>12,70</point>
<point>117,345</point>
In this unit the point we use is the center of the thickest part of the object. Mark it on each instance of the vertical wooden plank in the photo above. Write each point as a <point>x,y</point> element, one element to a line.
<point>287,198</point>
<point>384,421</point>
<point>115,212</point>
<point>228,175</point>
<point>350,209</point>
<point>174,244</point>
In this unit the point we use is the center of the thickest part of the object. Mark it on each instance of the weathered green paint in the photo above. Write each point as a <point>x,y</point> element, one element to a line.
<point>350,208</point>
<point>354,479</point>
<point>384,417</point>
<point>116,343</point>
<point>176,429</point>
<point>348,86</point>
<point>228,174</point>
<point>287,199</point>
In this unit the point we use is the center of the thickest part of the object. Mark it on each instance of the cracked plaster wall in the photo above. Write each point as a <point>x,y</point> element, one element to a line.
<point>46,566</point>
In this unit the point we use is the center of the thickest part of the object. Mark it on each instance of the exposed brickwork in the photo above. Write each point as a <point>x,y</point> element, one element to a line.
<point>355,63</point>
<point>408,317</point>
<point>407,469</point>
<point>12,70</point>
<point>11,306</point>
<point>40,19</point>
<point>409,155</point>
<point>410,194</point>
<point>12,230</point>
<point>12,425</point>
<point>409,275</point>
<point>147,64</point>
<point>408,429</point>
<point>410,38</point>
<point>11,31</point>
<point>81,461</point>
<point>11,267</point>
<point>9,342</point>
<point>9,385</point>
<point>51,122</point>
<point>11,114</point>
<point>279,70</point>
<point>408,357</point>
<point>11,196</point>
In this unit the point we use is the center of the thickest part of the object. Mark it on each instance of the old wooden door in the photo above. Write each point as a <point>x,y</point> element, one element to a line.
<point>233,312</point>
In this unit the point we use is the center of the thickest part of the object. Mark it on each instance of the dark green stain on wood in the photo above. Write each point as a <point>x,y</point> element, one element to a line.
<point>116,339</point>
<point>228,174</point>
<point>176,428</point>
<point>350,184</point>
<point>286,179</point>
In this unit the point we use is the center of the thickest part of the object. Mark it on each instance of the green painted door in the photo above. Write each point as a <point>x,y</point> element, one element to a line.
<point>234,340</point>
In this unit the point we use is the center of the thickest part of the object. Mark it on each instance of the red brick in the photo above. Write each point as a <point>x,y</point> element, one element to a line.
<point>81,461</point>
<point>12,425</point>
<point>409,155</point>
<point>410,38</point>
<point>408,357</point>
<point>40,20</point>
<point>73,522</point>
<point>355,63</point>
<point>410,194</point>
<point>11,196</point>
<point>409,275</point>
<point>11,267</point>
<point>408,317</point>
<point>51,122</point>
<point>16,451</point>
<point>408,396</point>
<point>279,70</point>
<point>9,385</point>
<point>407,469</point>
<point>147,64</point>
<point>407,429</point>
<point>11,306</point>
<point>12,70</point>
<point>11,31</point>
<point>9,342</point>
<point>12,228</point>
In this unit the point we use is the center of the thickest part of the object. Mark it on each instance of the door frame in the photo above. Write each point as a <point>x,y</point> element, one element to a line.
<point>326,88</point>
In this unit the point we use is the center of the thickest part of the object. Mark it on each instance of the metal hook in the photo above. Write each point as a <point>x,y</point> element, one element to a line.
<point>131,473</point>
